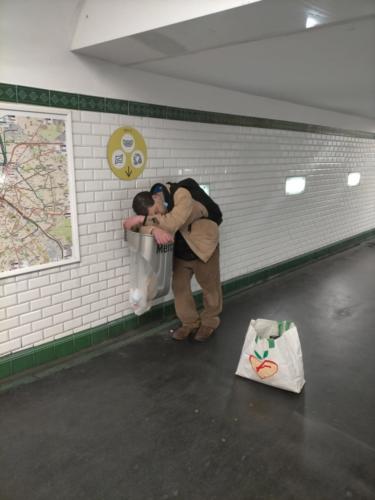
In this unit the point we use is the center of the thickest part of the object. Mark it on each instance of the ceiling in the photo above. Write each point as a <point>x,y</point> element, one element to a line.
<point>265,49</point>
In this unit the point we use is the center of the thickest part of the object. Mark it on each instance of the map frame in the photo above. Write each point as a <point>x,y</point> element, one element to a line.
<point>42,112</point>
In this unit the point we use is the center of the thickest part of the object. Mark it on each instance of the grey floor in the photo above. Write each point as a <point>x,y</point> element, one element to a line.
<point>151,418</point>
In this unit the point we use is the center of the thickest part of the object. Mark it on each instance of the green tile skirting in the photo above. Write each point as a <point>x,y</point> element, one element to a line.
<point>43,97</point>
<point>13,364</point>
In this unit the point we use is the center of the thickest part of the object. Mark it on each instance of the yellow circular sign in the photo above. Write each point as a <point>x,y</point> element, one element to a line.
<point>127,153</point>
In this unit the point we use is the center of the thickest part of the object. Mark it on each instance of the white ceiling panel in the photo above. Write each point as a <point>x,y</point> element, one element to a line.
<point>265,49</point>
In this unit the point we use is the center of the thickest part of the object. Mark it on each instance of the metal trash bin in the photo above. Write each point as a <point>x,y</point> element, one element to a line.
<point>150,270</point>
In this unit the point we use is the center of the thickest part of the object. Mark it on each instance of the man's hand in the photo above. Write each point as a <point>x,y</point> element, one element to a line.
<point>161,237</point>
<point>135,220</point>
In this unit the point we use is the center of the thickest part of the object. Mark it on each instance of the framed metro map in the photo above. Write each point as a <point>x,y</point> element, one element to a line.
<point>38,220</point>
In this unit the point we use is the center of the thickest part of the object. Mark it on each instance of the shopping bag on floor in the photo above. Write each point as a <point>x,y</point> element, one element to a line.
<point>272,355</point>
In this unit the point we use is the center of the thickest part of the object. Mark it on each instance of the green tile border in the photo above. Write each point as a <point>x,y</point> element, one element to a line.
<point>64,347</point>
<point>145,109</point>
<point>8,93</point>
<point>5,367</point>
<point>43,97</point>
<point>33,95</point>
<point>91,103</point>
<point>83,340</point>
<point>45,353</point>
<point>63,100</point>
<point>20,361</point>
<point>117,106</point>
<point>118,327</point>
<point>172,113</point>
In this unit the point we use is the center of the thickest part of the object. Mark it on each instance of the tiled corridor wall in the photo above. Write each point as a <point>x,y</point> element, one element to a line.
<point>245,169</point>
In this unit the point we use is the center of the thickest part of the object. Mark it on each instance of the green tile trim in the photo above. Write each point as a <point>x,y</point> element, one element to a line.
<point>13,364</point>
<point>32,95</point>
<point>131,322</point>
<point>82,340</point>
<point>63,100</point>
<point>54,98</point>
<point>168,310</point>
<point>99,334</point>
<point>194,115</point>
<point>22,361</point>
<point>5,367</point>
<point>8,92</point>
<point>64,347</point>
<point>117,106</point>
<point>155,313</point>
<point>145,109</point>
<point>116,328</point>
<point>174,113</point>
<point>44,354</point>
<point>91,103</point>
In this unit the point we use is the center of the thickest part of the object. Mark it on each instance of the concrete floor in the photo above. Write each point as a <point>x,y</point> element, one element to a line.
<point>151,418</point>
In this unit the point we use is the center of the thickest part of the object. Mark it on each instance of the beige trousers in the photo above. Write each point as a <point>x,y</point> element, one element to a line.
<point>207,275</point>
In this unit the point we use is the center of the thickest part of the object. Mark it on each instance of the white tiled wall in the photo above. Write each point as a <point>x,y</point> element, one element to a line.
<point>245,169</point>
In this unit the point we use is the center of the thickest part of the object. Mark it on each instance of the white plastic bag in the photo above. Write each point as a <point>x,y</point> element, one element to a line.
<point>272,355</point>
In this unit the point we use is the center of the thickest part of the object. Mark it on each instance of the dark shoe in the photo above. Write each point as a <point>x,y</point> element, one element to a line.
<point>183,332</point>
<point>204,333</point>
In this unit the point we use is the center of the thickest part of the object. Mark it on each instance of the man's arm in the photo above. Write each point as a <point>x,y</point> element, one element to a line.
<point>177,217</point>
<point>135,223</point>
<point>160,236</point>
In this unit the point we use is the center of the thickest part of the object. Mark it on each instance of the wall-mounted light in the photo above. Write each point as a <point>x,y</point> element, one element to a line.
<point>354,178</point>
<point>311,21</point>
<point>295,185</point>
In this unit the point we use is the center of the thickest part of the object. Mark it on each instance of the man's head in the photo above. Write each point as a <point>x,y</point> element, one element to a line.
<point>145,203</point>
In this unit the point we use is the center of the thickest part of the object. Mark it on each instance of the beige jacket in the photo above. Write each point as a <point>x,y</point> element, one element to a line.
<point>187,216</point>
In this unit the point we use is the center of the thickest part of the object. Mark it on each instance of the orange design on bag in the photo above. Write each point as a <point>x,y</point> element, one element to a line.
<point>265,368</point>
